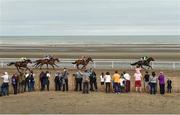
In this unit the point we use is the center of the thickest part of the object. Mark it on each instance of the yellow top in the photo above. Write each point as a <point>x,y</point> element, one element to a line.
<point>116,78</point>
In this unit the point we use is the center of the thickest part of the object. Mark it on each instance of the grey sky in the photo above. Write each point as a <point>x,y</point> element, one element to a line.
<point>89,17</point>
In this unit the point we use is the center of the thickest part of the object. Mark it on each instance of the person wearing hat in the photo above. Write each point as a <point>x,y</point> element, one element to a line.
<point>5,85</point>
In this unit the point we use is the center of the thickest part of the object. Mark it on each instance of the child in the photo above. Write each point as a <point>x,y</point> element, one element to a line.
<point>169,86</point>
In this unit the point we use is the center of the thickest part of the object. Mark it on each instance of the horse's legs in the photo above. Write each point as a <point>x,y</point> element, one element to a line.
<point>56,65</point>
<point>77,65</point>
<point>47,66</point>
<point>52,66</point>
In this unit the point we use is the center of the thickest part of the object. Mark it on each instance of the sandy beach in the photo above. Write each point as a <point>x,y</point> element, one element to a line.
<point>96,102</point>
<point>121,51</point>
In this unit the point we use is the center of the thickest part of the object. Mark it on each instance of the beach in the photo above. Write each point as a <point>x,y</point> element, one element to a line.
<point>96,102</point>
<point>96,51</point>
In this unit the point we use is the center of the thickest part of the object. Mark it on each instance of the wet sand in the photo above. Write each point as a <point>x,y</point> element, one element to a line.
<point>118,51</point>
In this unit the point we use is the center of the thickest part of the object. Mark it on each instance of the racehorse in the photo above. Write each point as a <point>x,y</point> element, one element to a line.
<point>144,63</point>
<point>51,61</point>
<point>82,62</point>
<point>20,65</point>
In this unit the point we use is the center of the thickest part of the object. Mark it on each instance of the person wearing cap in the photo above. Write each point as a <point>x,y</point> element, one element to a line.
<point>5,85</point>
<point>161,79</point>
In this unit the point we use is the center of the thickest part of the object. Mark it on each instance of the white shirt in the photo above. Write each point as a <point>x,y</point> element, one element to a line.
<point>127,76</point>
<point>48,75</point>
<point>5,78</point>
<point>26,75</point>
<point>137,76</point>
<point>107,78</point>
<point>121,81</point>
<point>102,78</point>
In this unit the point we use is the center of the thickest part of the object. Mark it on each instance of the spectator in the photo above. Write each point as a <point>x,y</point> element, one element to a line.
<point>153,83</point>
<point>146,81</point>
<point>102,78</point>
<point>47,81</point>
<point>138,77</point>
<point>78,79</point>
<point>116,80</point>
<point>161,79</point>
<point>57,81</point>
<point>127,78</point>
<point>31,81</point>
<point>26,86</point>
<point>5,85</point>
<point>169,86</point>
<point>122,83</point>
<point>65,78</point>
<point>93,81</point>
<point>41,79</point>
<point>15,83</point>
<point>86,82</point>
<point>107,79</point>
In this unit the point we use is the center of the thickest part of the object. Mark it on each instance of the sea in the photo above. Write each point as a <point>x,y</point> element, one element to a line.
<point>104,40</point>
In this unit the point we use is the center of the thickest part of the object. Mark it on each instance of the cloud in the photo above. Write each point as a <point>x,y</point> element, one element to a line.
<point>86,17</point>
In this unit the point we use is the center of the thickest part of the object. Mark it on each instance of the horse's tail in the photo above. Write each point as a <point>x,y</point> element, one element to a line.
<point>12,63</point>
<point>74,62</point>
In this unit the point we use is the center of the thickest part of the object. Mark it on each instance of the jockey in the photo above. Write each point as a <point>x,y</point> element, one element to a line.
<point>144,58</point>
<point>23,59</point>
<point>83,58</point>
<point>47,57</point>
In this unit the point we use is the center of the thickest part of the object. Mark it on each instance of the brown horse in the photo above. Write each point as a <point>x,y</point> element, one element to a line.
<point>83,62</point>
<point>21,65</point>
<point>41,62</point>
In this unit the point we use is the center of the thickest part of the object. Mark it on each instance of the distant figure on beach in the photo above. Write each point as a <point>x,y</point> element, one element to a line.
<point>127,78</point>
<point>116,81</point>
<point>161,79</point>
<point>5,85</point>
<point>169,86</point>
<point>146,81</point>
<point>153,83</point>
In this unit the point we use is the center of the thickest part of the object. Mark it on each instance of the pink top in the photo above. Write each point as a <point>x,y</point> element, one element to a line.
<point>137,76</point>
<point>138,70</point>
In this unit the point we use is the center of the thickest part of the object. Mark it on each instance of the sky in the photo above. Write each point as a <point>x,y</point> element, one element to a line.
<point>89,17</point>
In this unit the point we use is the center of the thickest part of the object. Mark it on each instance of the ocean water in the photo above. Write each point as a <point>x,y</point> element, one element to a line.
<point>89,40</point>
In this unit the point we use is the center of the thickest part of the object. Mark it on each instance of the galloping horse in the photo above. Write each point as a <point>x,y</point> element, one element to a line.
<point>83,62</point>
<point>144,63</point>
<point>41,62</point>
<point>21,64</point>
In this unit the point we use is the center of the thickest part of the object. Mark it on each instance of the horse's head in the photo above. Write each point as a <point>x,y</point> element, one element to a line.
<point>28,61</point>
<point>89,59</point>
<point>150,59</point>
<point>56,59</point>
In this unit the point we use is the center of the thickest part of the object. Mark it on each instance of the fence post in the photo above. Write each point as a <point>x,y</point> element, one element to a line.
<point>94,64</point>
<point>2,65</point>
<point>112,64</point>
<point>174,66</point>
